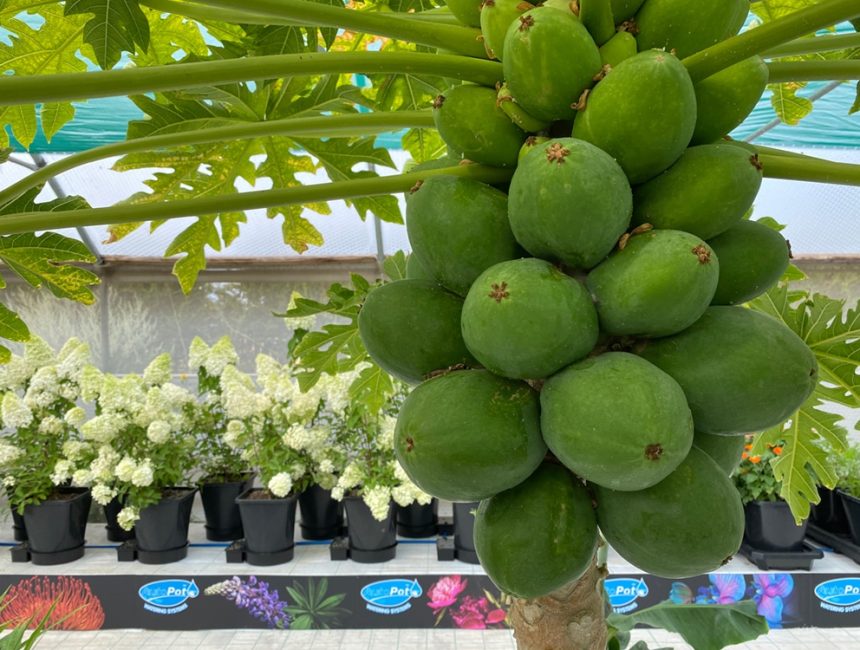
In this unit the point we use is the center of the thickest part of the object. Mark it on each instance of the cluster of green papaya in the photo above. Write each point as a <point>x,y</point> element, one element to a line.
<point>581,355</point>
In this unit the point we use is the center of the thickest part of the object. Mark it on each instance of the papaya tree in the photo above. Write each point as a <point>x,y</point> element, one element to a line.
<point>581,250</point>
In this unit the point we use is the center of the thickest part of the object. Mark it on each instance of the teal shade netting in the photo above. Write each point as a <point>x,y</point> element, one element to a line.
<point>103,121</point>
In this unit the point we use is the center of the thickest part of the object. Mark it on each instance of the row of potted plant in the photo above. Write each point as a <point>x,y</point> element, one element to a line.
<point>141,445</point>
<point>839,509</point>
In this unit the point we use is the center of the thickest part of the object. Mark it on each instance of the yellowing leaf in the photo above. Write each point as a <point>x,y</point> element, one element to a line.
<point>193,241</point>
<point>790,107</point>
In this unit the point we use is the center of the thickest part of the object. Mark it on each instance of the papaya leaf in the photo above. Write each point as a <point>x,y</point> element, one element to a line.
<point>337,348</point>
<point>115,26</point>
<point>371,388</point>
<point>856,106</point>
<point>12,328</point>
<point>394,266</point>
<point>193,242</point>
<point>790,107</point>
<point>169,36</point>
<point>705,627</point>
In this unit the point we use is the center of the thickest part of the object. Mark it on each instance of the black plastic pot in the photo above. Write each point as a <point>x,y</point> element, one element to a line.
<point>269,523</point>
<point>366,533</point>
<point>851,507</point>
<point>114,532</point>
<point>163,526</point>
<point>829,514</point>
<point>19,530</point>
<point>59,525</point>
<point>464,526</point>
<point>223,522</point>
<point>770,526</point>
<point>321,516</point>
<point>417,521</point>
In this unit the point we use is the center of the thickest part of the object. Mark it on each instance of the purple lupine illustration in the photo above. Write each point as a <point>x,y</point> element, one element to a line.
<point>771,590</point>
<point>255,596</point>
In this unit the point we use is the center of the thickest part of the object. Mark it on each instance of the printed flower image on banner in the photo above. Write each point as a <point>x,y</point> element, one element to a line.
<point>771,592</point>
<point>254,595</point>
<point>75,607</point>
<point>468,611</point>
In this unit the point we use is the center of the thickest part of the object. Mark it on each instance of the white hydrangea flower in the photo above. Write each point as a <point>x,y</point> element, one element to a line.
<point>158,432</point>
<point>197,353</point>
<point>175,396</point>
<point>299,322</point>
<point>126,394</point>
<point>51,426</point>
<point>378,499</point>
<point>269,371</point>
<point>386,432</point>
<point>221,355</point>
<point>75,416</point>
<point>38,353</point>
<point>125,469</point>
<point>14,374</point>
<point>335,390</point>
<point>305,405</point>
<point>9,453</point>
<point>159,370</point>
<point>103,494</point>
<point>126,517</point>
<point>352,476</point>
<point>326,466</point>
<point>280,484</point>
<point>103,428</point>
<point>72,357</point>
<point>68,391</point>
<point>62,471</point>
<point>302,438</point>
<point>238,396</point>
<point>8,481</point>
<point>74,449</point>
<point>103,465</point>
<point>15,413</point>
<point>297,470</point>
<point>43,389</point>
<point>82,477</point>
<point>142,475</point>
<point>337,493</point>
<point>91,380</point>
<point>233,433</point>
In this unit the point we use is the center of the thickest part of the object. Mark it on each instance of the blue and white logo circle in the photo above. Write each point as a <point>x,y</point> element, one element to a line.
<point>624,592</point>
<point>840,594</point>
<point>168,596</point>
<point>391,596</point>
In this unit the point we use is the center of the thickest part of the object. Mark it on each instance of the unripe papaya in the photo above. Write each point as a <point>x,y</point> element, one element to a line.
<point>468,435</point>
<point>690,523</point>
<point>660,283</point>
<point>725,451</point>
<point>532,142</point>
<point>617,421</point>
<point>755,258</point>
<point>496,17</point>
<point>725,100</point>
<point>688,26</point>
<point>458,228</point>
<point>544,83</point>
<point>742,371</point>
<point>517,113</point>
<point>620,47</point>
<point>569,202</point>
<point>624,9</point>
<point>474,127</point>
<point>526,319</point>
<point>538,536</point>
<point>415,271</point>
<point>706,192</point>
<point>412,327</point>
<point>467,12</point>
<point>642,114</point>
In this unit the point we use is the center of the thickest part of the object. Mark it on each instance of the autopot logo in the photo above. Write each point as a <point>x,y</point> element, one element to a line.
<point>840,595</point>
<point>624,592</point>
<point>168,596</point>
<point>391,596</point>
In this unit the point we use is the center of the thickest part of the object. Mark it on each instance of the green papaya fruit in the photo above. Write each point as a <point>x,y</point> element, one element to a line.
<point>642,114</point>
<point>567,6</point>
<point>597,17</point>
<point>496,17</point>
<point>660,283</point>
<point>543,83</point>
<point>569,202</point>
<point>526,319</point>
<point>475,128</point>
<point>690,523</point>
<point>618,48</point>
<point>530,143</point>
<point>538,536</point>
<point>468,435</point>
<point>624,9</point>
<point>412,328</point>
<point>706,192</point>
<point>415,271</point>
<point>458,228</point>
<point>742,371</point>
<point>725,100</point>
<point>467,12</point>
<point>687,26</point>
<point>725,451</point>
<point>617,421</point>
<point>755,258</point>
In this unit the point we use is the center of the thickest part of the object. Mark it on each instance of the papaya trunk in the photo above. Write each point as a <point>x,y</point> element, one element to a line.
<point>571,618</point>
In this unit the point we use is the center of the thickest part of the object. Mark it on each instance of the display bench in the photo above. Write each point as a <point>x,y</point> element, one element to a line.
<point>412,590</point>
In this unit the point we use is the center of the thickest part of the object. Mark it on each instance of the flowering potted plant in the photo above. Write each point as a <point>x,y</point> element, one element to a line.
<point>831,513</point>
<point>224,473</point>
<point>142,454</point>
<point>769,522</point>
<point>38,410</point>
<point>268,513</point>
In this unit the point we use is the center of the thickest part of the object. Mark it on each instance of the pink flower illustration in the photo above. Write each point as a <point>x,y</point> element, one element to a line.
<point>471,614</point>
<point>496,616</point>
<point>445,591</point>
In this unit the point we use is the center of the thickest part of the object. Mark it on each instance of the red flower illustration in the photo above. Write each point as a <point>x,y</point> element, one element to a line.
<point>471,614</point>
<point>75,606</point>
<point>445,591</point>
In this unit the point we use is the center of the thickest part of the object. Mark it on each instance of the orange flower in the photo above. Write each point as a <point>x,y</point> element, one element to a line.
<point>777,450</point>
<point>748,447</point>
<point>755,459</point>
<point>745,455</point>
